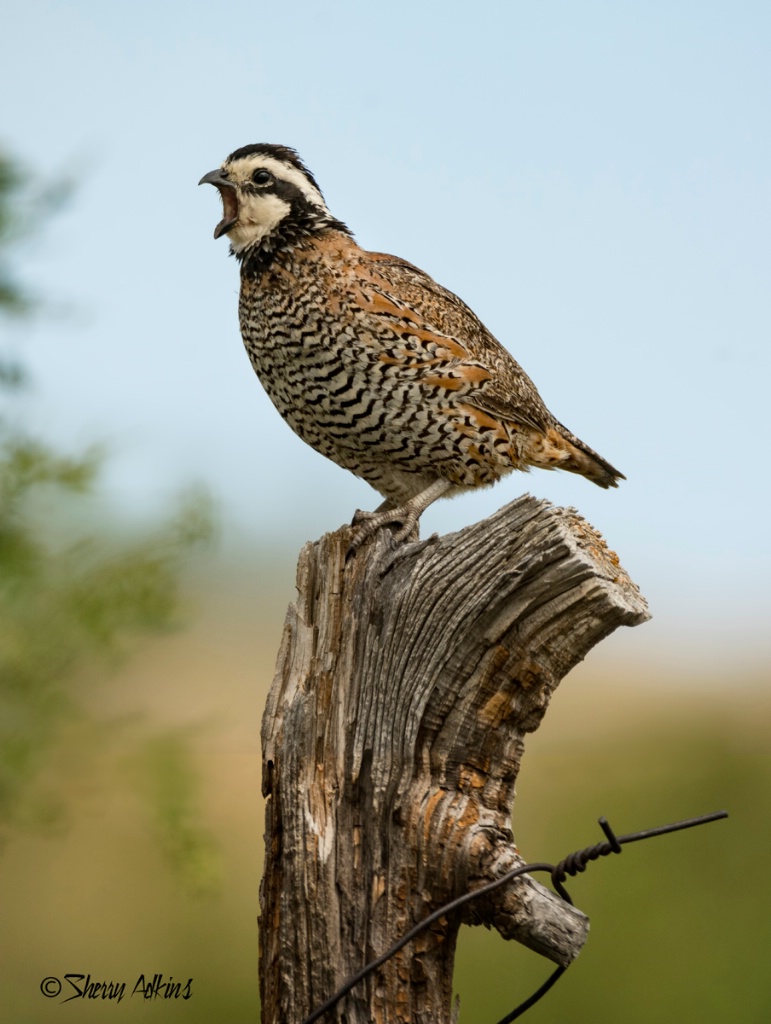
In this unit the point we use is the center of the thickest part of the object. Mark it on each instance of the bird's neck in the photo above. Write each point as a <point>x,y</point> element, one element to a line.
<point>289,236</point>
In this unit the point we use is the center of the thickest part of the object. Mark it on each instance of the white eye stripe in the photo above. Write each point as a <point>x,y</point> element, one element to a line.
<point>246,166</point>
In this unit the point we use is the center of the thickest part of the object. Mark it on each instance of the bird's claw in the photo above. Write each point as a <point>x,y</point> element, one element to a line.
<point>366,524</point>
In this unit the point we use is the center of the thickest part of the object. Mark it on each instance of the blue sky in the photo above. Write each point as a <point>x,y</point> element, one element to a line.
<point>593,179</point>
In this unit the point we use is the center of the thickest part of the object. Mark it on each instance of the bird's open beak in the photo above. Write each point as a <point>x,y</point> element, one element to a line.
<point>229,196</point>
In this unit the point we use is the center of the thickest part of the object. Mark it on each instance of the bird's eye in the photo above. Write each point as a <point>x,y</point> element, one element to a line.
<point>261,177</point>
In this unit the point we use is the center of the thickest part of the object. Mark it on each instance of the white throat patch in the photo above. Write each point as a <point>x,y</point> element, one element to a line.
<point>257,217</point>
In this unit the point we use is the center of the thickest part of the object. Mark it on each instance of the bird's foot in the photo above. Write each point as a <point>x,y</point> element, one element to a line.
<point>406,516</point>
<point>365,524</point>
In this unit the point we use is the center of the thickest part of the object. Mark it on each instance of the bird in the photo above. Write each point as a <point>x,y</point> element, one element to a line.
<point>369,360</point>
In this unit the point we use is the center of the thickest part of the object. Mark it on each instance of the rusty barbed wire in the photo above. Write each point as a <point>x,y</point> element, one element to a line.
<point>575,863</point>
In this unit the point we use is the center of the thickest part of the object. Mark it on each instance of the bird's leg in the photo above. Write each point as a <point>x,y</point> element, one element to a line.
<point>406,515</point>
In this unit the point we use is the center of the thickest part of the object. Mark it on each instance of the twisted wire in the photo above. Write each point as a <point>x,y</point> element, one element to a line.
<point>572,865</point>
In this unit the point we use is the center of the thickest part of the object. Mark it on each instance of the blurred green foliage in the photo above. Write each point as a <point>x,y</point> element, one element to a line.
<point>25,205</point>
<point>68,596</point>
<point>170,784</point>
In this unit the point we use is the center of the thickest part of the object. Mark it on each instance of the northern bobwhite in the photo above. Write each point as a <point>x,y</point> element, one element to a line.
<point>372,362</point>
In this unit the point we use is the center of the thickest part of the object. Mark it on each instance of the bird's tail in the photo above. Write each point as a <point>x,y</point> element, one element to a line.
<point>577,457</point>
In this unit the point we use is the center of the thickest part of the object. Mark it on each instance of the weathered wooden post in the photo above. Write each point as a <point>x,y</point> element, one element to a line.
<point>406,682</point>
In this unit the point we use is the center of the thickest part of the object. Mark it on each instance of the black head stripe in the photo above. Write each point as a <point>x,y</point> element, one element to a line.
<point>285,153</point>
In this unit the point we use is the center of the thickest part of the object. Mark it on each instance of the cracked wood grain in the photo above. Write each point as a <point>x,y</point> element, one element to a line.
<point>406,681</point>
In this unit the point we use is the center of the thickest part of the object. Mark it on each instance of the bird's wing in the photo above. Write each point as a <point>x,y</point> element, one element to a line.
<point>492,380</point>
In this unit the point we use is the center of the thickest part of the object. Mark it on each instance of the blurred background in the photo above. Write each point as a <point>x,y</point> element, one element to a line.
<point>594,181</point>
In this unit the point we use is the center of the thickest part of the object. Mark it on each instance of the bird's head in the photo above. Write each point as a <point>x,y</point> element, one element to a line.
<point>270,200</point>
